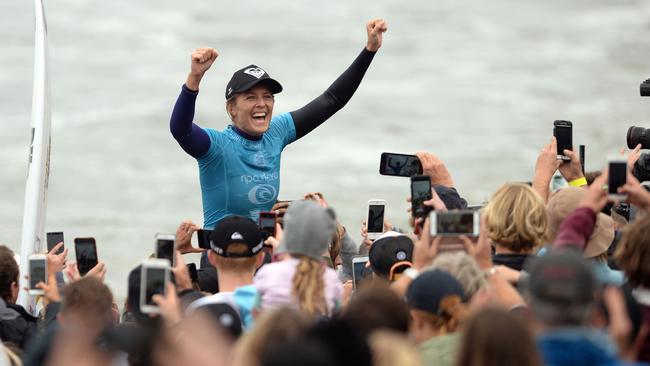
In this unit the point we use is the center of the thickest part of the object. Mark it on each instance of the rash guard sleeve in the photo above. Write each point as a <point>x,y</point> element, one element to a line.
<point>334,98</point>
<point>192,138</point>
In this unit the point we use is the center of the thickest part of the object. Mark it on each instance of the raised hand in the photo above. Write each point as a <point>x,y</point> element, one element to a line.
<point>545,167</point>
<point>435,168</point>
<point>375,29</point>
<point>56,262</point>
<point>596,197</point>
<point>202,59</point>
<point>184,238</point>
<point>571,170</point>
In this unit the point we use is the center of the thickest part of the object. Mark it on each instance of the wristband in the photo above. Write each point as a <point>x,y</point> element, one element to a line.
<point>580,182</point>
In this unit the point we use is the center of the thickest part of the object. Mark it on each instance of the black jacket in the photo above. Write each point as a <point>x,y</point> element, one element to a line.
<point>16,325</point>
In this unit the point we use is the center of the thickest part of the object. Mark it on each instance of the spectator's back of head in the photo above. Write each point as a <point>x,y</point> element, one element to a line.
<point>633,252</point>
<point>516,218</point>
<point>8,275</point>
<point>388,252</point>
<point>464,268</point>
<point>88,297</point>
<point>236,244</point>
<point>513,346</point>
<point>560,289</point>
<point>375,307</point>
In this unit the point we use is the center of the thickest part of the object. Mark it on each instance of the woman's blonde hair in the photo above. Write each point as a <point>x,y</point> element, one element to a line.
<point>516,217</point>
<point>309,287</point>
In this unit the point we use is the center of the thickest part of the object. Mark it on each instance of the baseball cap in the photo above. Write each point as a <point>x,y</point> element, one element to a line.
<point>308,229</point>
<point>249,76</point>
<point>389,249</point>
<point>430,288</point>
<point>236,229</point>
<point>224,314</point>
<point>561,279</point>
<point>562,203</point>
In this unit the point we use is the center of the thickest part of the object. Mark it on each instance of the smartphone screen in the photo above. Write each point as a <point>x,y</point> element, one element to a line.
<point>53,239</point>
<point>86,252</point>
<point>203,236</point>
<point>376,218</point>
<point>165,249</point>
<point>155,283</point>
<point>267,223</point>
<point>360,270</point>
<point>400,165</point>
<point>420,192</point>
<point>37,272</point>
<point>563,132</point>
<point>455,223</point>
<point>617,176</point>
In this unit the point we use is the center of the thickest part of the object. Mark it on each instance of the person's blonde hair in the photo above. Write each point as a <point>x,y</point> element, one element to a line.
<point>464,268</point>
<point>516,218</point>
<point>309,287</point>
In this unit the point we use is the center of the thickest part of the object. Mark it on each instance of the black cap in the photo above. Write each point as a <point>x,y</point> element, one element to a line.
<point>227,317</point>
<point>561,279</point>
<point>246,78</point>
<point>427,290</point>
<point>236,229</point>
<point>387,251</point>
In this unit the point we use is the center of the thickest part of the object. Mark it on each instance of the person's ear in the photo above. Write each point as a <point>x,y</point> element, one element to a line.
<point>260,259</point>
<point>212,259</point>
<point>14,290</point>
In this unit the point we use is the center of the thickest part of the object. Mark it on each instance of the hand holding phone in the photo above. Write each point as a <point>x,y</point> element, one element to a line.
<point>420,192</point>
<point>399,165</point>
<point>267,223</point>
<point>563,132</point>
<point>86,253</point>
<point>54,238</point>
<point>153,281</point>
<point>37,273</point>
<point>375,221</point>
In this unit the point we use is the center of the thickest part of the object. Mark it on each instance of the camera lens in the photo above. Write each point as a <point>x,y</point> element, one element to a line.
<point>638,135</point>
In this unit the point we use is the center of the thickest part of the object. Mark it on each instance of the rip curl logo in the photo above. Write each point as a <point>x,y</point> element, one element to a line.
<point>236,236</point>
<point>262,194</point>
<point>255,71</point>
<point>260,178</point>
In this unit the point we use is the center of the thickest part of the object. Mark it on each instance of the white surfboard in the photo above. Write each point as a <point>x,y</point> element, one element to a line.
<point>33,235</point>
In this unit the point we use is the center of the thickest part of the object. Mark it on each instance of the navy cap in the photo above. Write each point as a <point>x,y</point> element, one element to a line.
<point>236,229</point>
<point>427,290</point>
<point>387,251</point>
<point>249,76</point>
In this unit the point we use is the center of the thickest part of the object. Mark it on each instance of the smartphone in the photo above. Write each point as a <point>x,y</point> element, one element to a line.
<point>165,247</point>
<point>375,221</point>
<point>399,165</point>
<point>617,177</point>
<point>420,192</point>
<point>53,239</point>
<point>359,270</point>
<point>267,223</point>
<point>153,281</point>
<point>455,223</point>
<point>563,132</point>
<point>86,252</point>
<point>194,275</point>
<point>37,272</point>
<point>203,236</point>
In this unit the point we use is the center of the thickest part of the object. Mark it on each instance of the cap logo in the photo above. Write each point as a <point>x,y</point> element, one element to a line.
<point>401,255</point>
<point>236,236</point>
<point>255,71</point>
<point>229,90</point>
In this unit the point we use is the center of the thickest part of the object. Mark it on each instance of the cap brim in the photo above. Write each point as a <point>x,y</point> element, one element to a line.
<point>273,85</point>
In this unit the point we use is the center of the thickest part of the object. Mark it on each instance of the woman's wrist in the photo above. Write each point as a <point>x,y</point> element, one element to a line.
<point>193,82</point>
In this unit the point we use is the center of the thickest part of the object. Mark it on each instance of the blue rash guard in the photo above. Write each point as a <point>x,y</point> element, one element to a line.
<point>240,176</point>
<point>239,173</point>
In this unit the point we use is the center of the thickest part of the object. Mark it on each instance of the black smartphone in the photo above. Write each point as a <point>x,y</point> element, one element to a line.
<point>86,252</point>
<point>194,275</point>
<point>165,247</point>
<point>399,165</point>
<point>563,132</point>
<point>617,177</point>
<point>267,223</point>
<point>203,236</point>
<point>420,192</point>
<point>53,239</point>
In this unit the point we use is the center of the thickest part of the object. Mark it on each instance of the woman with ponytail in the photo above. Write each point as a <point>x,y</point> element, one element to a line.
<point>302,280</point>
<point>436,300</point>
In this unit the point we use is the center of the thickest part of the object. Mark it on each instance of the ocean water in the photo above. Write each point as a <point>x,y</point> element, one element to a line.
<point>477,83</point>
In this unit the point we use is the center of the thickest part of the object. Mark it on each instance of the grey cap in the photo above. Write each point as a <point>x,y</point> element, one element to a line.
<point>308,229</point>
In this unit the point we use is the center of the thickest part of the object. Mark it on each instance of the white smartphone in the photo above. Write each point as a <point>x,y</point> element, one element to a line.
<point>455,223</point>
<point>37,272</point>
<point>165,246</point>
<point>617,177</point>
<point>375,220</point>
<point>359,270</point>
<point>153,280</point>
